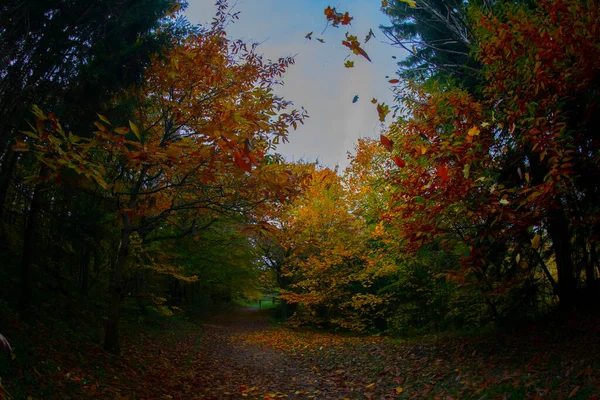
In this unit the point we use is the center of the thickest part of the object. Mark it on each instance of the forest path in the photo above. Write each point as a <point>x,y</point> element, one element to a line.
<point>240,354</point>
<point>245,356</point>
<point>236,368</point>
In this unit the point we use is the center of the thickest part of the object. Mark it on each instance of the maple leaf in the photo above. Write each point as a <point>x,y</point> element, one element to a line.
<point>394,81</point>
<point>353,44</point>
<point>308,36</point>
<point>349,64</point>
<point>320,40</point>
<point>369,35</point>
<point>382,110</point>
<point>329,12</point>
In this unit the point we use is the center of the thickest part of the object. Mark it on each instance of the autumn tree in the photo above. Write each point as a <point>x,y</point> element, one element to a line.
<point>325,256</point>
<point>505,175</point>
<point>69,58</point>
<point>194,149</point>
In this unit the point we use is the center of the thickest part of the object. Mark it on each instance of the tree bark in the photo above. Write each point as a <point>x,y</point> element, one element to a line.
<point>560,233</point>
<point>29,243</point>
<point>111,333</point>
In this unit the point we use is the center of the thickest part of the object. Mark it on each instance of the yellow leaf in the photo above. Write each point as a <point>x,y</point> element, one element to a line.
<point>474,131</point>
<point>104,119</point>
<point>370,385</point>
<point>466,170</point>
<point>399,390</point>
<point>535,242</point>
<point>411,3</point>
<point>135,129</point>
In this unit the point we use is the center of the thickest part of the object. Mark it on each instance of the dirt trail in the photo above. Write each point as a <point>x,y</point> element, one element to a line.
<point>236,369</point>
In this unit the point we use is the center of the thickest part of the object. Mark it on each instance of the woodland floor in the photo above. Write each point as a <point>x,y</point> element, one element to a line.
<point>242,355</point>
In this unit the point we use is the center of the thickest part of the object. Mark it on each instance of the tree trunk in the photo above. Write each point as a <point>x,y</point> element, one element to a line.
<point>8,166</point>
<point>84,271</point>
<point>29,243</point>
<point>560,233</point>
<point>111,333</point>
<point>284,310</point>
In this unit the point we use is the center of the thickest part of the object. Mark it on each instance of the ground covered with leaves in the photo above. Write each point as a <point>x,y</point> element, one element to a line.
<point>243,354</point>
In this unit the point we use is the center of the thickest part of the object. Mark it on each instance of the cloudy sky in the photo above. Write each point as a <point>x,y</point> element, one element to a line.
<point>318,81</point>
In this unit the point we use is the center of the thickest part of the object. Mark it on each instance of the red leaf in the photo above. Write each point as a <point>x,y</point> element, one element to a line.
<point>389,144</point>
<point>442,172</point>
<point>393,81</point>
<point>399,161</point>
<point>242,161</point>
<point>363,53</point>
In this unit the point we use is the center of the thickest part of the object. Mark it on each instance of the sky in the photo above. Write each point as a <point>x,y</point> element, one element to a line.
<point>318,80</point>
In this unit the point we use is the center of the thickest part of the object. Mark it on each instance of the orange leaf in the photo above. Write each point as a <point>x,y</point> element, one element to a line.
<point>394,81</point>
<point>242,162</point>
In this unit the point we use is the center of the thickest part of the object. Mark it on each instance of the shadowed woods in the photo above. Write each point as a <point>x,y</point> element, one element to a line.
<point>242,354</point>
<point>142,196</point>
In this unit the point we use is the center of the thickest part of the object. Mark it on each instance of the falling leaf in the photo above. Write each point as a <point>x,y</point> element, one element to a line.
<point>387,142</point>
<point>374,100</point>
<point>393,81</point>
<point>369,35</point>
<point>308,36</point>
<point>349,64</point>
<point>320,40</point>
<point>355,99</point>
<point>383,110</point>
